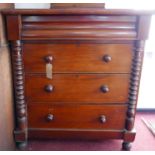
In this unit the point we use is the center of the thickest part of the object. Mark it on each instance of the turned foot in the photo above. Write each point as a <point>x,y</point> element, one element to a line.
<point>22,145</point>
<point>126,146</point>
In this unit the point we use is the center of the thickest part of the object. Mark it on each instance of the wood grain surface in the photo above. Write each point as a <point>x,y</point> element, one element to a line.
<point>71,58</point>
<point>77,117</point>
<point>78,88</point>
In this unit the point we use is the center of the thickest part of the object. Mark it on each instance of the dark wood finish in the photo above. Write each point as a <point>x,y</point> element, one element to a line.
<point>6,93</point>
<point>126,146</point>
<point>133,93</point>
<point>107,58</point>
<point>49,117</point>
<point>78,58</point>
<point>77,117</point>
<point>15,23</point>
<point>39,133</point>
<point>129,136</point>
<point>108,19</point>
<point>76,88</point>
<point>104,88</point>
<point>48,59</point>
<point>93,58</point>
<point>90,27</point>
<point>48,88</point>
<point>78,34</point>
<point>134,83</point>
<point>77,11</point>
<point>103,119</point>
<point>78,5</point>
<point>18,77</point>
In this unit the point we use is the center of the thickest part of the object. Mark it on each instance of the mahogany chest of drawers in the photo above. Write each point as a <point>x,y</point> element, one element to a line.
<point>76,72</point>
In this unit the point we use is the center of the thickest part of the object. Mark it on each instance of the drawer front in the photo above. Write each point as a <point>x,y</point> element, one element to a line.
<point>88,88</point>
<point>84,116</point>
<point>78,27</point>
<point>70,58</point>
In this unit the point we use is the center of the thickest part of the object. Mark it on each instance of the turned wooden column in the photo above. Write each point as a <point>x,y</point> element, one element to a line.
<point>134,83</point>
<point>18,77</point>
<point>13,23</point>
<point>133,93</point>
<point>143,24</point>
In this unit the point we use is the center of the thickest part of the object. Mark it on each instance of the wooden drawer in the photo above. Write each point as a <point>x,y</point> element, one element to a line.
<point>88,88</point>
<point>84,116</point>
<point>79,27</point>
<point>70,58</point>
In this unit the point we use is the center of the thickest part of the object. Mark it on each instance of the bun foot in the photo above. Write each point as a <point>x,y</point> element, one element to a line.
<point>126,146</point>
<point>21,145</point>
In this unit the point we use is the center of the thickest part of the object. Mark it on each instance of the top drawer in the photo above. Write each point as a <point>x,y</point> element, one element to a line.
<point>74,58</point>
<point>79,27</point>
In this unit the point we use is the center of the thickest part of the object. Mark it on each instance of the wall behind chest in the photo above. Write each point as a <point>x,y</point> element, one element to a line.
<point>6,97</point>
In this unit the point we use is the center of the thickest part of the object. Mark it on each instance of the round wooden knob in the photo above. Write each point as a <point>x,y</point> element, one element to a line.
<point>102,118</point>
<point>104,89</point>
<point>106,58</point>
<point>49,88</point>
<point>48,59</point>
<point>50,117</point>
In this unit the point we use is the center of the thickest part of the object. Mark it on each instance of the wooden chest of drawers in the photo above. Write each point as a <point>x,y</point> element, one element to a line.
<point>76,72</point>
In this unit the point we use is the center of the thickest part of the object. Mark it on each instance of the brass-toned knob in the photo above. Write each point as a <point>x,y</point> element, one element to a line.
<point>106,58</point>
<point>104,88</point>
<point>102,118</point>
<point>48,59</point>
<point>48,88</point>
<point>50,117</point>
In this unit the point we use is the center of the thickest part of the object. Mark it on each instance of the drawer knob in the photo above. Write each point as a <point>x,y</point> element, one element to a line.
<point>102,118</point>
<point>104,89</point>
<point>49,88</point>
<point>50,117</point>
<point>48,59</point>
<point>106,58</point>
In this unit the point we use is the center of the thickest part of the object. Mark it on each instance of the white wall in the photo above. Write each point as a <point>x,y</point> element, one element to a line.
<point>130,4</point>
<point>32,5</point>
